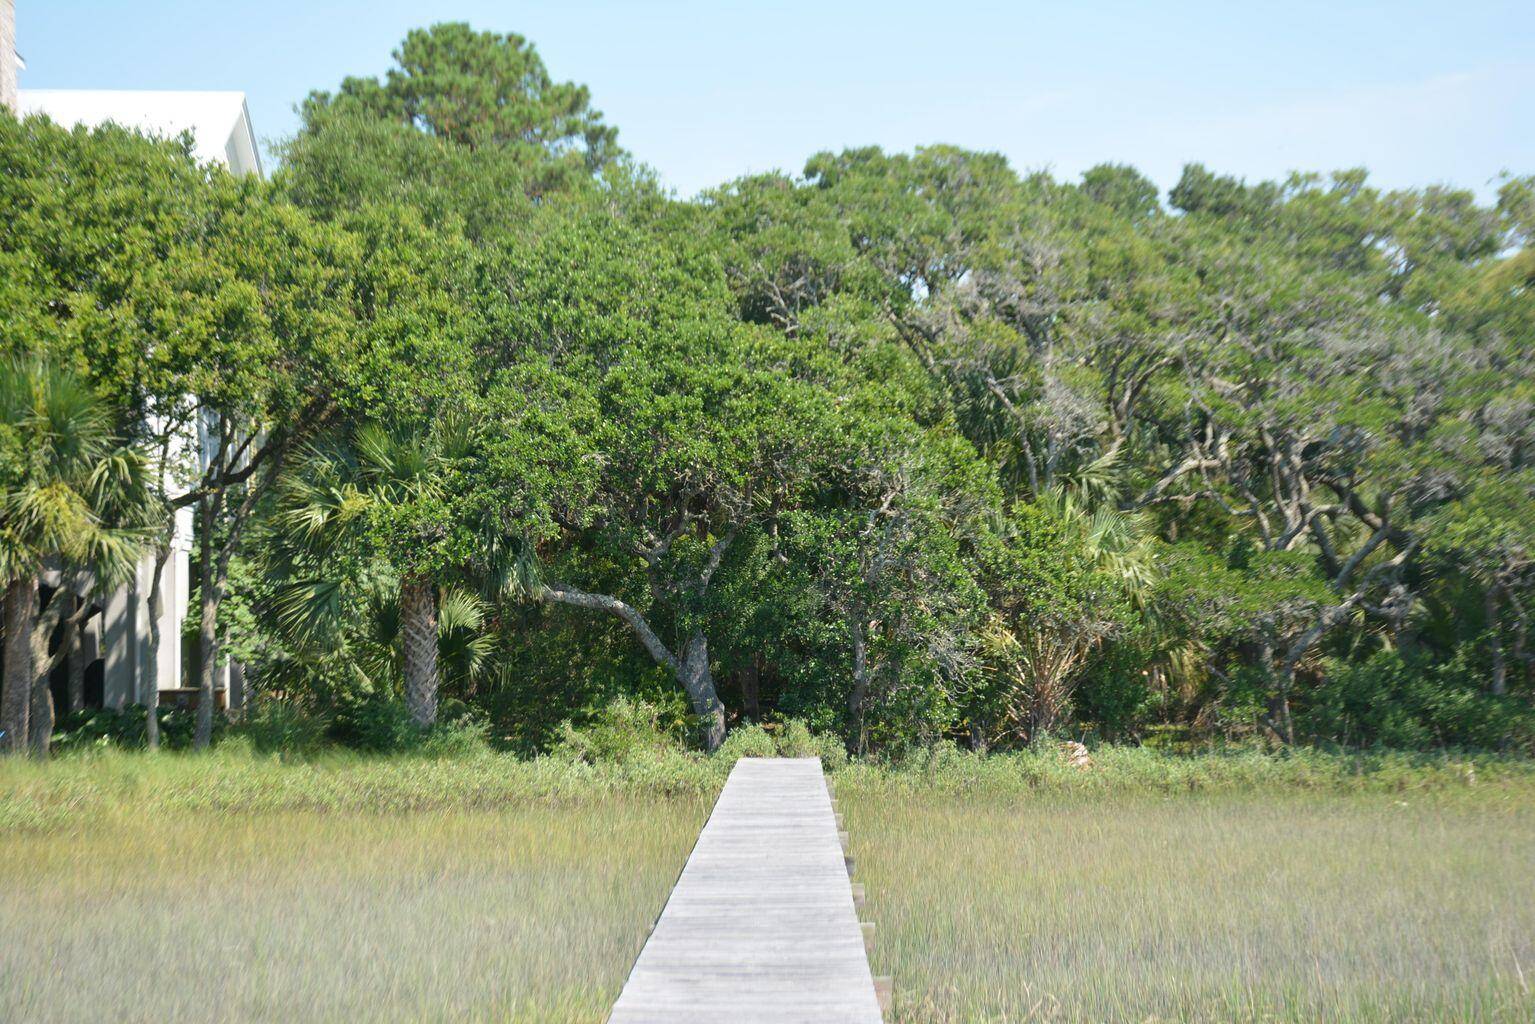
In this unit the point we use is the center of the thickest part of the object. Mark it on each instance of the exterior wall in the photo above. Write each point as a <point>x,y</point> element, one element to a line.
<point>241,155</point>
<point>125,634</point>
<point>119,633</point>
<point>8,55</point>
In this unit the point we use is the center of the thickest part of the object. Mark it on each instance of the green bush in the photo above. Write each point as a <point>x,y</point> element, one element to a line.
<point>1391,701</point>
<point>832,751</point>
<point>796,740</point>
<point>278,727</point>
<point>1112,694</point>
<point>378,723</point>
<point>95,728</point>
<point>746,741</point>
<point>625,731</point>
<point>459,733</point>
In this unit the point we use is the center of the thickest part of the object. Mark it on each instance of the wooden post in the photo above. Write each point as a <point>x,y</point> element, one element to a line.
<point>884,991</point>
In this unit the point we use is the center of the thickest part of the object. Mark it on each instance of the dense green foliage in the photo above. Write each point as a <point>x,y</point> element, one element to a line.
<point>909,447</point>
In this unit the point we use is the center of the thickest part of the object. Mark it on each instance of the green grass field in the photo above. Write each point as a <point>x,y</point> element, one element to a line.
<point>236,887</point>
<point>1275,906</point>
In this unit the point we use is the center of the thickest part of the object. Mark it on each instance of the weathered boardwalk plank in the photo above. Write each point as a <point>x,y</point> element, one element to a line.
<point>760,926</point>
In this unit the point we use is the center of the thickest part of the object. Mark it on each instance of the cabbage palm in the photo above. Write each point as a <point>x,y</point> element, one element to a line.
<point>73,497</point>
<point>389,497</point>
<point>1038,648</point>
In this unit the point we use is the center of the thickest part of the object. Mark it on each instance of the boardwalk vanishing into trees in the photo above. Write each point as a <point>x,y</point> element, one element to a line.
<point>761,926</point>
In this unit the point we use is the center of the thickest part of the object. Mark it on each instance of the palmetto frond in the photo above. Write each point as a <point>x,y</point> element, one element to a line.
<point>463,641</point>
<point>512,569</point>
<point>1096,481</point>
<point>460,610</point>
<point>72,492</point>
<point>309,611</point>
<point>1115,542</point>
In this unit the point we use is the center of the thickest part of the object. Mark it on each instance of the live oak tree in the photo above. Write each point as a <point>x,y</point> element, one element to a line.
<point>691,452</point>
<point>102,225</point>
<point>212,317</point>
<point>1267,359</point>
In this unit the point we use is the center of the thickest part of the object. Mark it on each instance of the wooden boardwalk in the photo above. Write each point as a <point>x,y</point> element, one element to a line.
<point>761,925</point>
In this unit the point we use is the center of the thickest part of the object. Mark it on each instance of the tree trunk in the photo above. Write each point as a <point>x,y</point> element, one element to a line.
<point>16,700</point>
<point>691,670</point>
<point>41,713</point>
<point>41,724</point>
<point>74,665</point>
<point>694,675</point>
<point>1495,639</point>
<point>418,623</point>
<point>207,633</point>
<point>860,694</point>
<point>751,688</point>
<point>1279,708</point>
<point>154,604</point>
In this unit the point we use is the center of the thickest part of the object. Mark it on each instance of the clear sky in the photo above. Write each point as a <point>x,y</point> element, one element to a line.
<point>705,90</point>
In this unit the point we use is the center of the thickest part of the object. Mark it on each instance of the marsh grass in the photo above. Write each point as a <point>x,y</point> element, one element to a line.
<point>235,887</point>
<point>86,790</point>
<point>996,903</point>
<point>527,914</point>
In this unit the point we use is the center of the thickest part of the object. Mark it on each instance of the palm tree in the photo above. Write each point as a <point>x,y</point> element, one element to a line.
<point>72,498</point>
<point>1036,657</point>
<point>387,495</point>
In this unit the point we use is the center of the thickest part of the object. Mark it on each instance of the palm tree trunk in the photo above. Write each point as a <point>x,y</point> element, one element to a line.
<point>16,700</point>
<point>418,623</point>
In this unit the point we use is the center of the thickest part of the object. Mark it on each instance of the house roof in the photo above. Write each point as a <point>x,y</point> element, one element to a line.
<point>218,121</point>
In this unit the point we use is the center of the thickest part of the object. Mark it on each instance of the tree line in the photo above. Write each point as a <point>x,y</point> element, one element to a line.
<point>907,446</point>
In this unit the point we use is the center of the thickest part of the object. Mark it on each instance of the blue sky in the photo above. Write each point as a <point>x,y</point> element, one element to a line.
<point>706,91</point>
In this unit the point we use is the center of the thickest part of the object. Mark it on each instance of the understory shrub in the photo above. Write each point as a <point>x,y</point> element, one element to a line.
<point>796,740</point>
<point>746,741</point>
<point>279,727</point>
<point>125,727</point>
<point>378,723</point>
<point>626,730</point>
<point>458,733</point>
<point>1392,701</point>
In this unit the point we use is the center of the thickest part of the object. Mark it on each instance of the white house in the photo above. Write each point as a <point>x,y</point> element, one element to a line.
<point>218,121</point>
<point>115,644</point>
